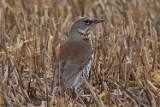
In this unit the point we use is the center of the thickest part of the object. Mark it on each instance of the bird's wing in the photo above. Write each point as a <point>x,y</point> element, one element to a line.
<point>70,71</point>
<point>72,59</point>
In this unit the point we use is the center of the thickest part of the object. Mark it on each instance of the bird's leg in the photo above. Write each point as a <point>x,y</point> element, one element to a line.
<point>51,87</point>
<point>74,93</point>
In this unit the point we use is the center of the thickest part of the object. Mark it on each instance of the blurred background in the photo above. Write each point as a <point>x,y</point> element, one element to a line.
<point>126,66</point>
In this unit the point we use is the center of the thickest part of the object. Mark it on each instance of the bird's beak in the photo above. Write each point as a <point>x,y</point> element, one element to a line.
<point>95,21</point>
<point>98,21</point>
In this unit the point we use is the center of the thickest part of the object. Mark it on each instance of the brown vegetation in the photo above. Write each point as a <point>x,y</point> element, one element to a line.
<point>126,66</point>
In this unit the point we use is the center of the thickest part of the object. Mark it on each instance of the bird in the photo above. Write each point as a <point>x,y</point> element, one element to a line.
<point>75,55</point>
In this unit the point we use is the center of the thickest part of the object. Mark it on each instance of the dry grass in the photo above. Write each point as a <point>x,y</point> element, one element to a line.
<point>126,67</point>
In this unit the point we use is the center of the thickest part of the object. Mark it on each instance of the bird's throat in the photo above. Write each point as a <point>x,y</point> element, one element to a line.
<point>83,32</point>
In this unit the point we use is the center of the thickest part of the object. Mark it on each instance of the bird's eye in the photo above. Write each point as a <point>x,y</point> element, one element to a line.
<point>86,21</point>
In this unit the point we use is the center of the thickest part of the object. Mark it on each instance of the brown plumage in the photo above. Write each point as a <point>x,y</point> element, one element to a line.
<point>74,58</point>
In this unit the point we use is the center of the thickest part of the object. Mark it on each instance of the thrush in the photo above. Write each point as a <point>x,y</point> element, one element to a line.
<point>75,56</point>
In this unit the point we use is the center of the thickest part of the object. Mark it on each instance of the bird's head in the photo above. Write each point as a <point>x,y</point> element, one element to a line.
<point>82,26</point>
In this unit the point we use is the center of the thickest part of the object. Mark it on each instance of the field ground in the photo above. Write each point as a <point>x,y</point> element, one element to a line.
<point>126,66</point>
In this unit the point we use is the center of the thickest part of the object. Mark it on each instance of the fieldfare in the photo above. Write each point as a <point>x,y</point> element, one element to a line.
<point>75,56</point>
